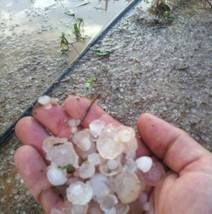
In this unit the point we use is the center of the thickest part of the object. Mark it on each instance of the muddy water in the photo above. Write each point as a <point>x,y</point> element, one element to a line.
<point>30,56</point>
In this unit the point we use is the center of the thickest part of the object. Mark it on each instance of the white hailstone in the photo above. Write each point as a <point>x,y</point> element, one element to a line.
<point>108,201</point>
<point>127,186</point>
<point>86,170</point>
<point>111,167</point>
<point>60,152</point>
<point>94,208</point>
<point>54,101</point>
<point>74,130</point>
<point>56,176</point>
<point>112,164</point>
<point>107,145</point>
<point>79,193</point>
<point>79,209</point>
<point>72,180</point>
<point>100,185</point>
<point>73,122</point>
<point>44,100</point>
<point>126,134</point>
<point>130,165</point>
<point>84,154</point>
<point>94,158</point>
<point>122,208</point>
<point>108,148</point>
<point>83,139</point>
<point>96,127</point>
<point>110,211</point>
<point>144,163</point>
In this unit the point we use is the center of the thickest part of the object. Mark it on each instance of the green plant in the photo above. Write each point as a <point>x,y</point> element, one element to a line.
<point>89,82</point>
<point>78,28</point>
<point>102,53</point>
<point>161,9</point>
<point>64,44</point>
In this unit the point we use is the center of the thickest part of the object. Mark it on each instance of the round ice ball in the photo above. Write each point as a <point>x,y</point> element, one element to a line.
<point>56,176</point>
<point>79,193</point>
<point>44,100</point>
<point>144,163</point>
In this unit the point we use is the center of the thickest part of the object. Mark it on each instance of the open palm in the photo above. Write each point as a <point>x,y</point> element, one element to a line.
<point>187,188</point>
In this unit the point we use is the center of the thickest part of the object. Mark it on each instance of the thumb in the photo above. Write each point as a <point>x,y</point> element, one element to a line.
<point>176,148</point>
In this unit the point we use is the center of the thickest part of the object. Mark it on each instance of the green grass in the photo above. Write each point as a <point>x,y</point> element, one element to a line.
<point>64,43</point>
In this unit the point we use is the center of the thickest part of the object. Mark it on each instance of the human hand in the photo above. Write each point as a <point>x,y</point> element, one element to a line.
<point>186,189</point>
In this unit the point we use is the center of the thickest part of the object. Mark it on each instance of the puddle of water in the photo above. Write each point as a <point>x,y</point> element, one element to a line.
<point>35,15</point>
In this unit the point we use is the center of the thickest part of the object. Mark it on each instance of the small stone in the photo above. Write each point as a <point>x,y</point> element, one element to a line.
<point>79,193</point>
<point>56,176</point>
<point>96,127</point>
<point>86,170</point>
<point>44,100</point>
<point>94,158</point>
<point>83,139</point>
<point>128,187</point>
<point>144,163</point>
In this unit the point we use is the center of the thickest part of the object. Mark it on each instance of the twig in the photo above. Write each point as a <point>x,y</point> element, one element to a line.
<point>89,107</point>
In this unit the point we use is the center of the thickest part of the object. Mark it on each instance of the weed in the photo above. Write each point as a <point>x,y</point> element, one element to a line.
<point>64,44</point>
<point>89,82</point>
<point>161,9</point>
<point>102,53</point>
<point>78,28</point>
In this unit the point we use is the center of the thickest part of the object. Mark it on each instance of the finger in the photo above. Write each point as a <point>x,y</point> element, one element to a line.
<point>172,145</point>
<point>54,119</point>
<point>77,107</point>
<point>30,132</point>
<point>32,169</point>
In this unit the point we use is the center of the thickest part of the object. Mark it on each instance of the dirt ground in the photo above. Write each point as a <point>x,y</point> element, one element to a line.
<point>162,68</point>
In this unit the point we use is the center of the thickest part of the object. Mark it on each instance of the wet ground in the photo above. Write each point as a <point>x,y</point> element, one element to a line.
<point>30,55</point>
<point>164,68</point>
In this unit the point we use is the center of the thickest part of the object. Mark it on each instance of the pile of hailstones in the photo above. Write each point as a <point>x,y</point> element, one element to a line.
<point>99,169</point>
